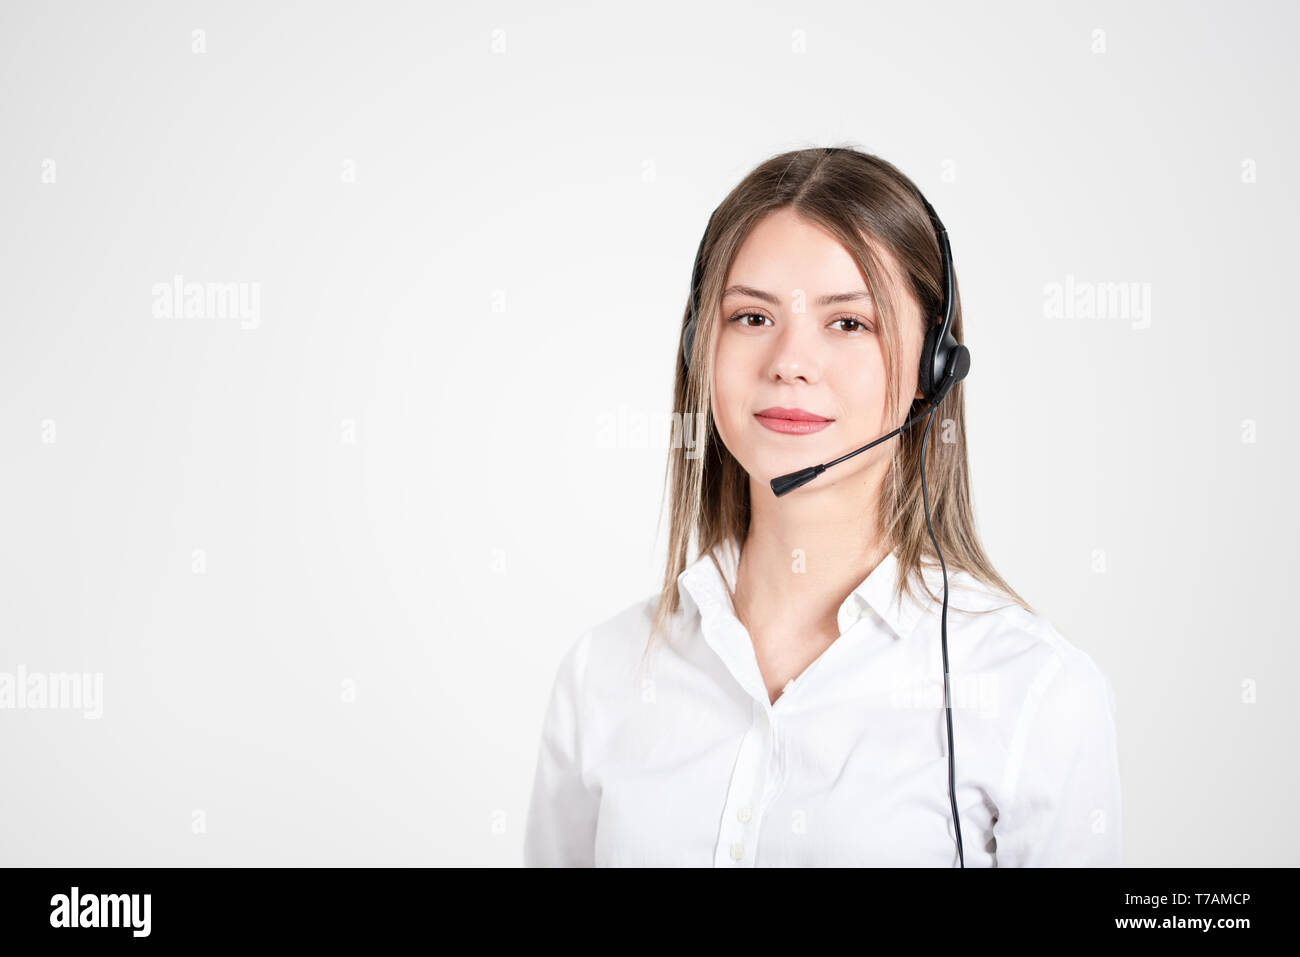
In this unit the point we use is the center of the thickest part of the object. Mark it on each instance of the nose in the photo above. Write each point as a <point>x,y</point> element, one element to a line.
<point>796,358</point>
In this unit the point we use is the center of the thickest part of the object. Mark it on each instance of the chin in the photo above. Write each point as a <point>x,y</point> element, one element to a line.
<point>770,466</point>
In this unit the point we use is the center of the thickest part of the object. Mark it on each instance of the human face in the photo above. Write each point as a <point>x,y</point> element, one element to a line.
<point>780,345</point>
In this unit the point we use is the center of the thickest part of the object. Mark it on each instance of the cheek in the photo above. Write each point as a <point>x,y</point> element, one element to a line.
<point>732,395</point>
<point>859,387</point>
<point>727,401</point>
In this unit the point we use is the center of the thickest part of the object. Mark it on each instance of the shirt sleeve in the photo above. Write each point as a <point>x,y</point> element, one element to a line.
<point>561,824</point>
<point>1061,789</point>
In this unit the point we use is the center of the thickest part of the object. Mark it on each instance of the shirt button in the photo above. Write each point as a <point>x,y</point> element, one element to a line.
<point>744,814</point>
<point>737,851</point>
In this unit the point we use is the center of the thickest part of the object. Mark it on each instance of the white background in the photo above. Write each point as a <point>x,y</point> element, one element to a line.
<point>509,266</point>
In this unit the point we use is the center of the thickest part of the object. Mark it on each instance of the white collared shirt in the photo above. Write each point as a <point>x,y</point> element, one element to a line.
<point>688,763</point>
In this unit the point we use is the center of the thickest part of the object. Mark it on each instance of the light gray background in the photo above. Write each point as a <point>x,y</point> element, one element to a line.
<point>508,267</point>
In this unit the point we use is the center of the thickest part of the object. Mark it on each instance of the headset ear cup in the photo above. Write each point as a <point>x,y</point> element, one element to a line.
<point>926,379</point>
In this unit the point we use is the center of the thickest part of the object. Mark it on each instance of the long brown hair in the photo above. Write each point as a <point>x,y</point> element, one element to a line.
<point>865,202</point>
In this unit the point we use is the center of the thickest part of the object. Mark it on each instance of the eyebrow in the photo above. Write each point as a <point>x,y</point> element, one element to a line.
<point>767,297</point>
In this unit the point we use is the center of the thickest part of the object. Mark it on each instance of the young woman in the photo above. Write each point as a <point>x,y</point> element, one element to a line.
<point>804,693</point>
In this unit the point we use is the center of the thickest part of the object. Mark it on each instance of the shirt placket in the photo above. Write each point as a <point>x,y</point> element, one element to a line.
<point>760,763</point>
<point>755,770</point>
<point>754,782</point>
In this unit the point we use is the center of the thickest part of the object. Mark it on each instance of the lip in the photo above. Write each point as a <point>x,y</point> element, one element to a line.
<point>792,421</point>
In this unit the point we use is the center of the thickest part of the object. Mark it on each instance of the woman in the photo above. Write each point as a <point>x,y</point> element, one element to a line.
<point>803,693</point>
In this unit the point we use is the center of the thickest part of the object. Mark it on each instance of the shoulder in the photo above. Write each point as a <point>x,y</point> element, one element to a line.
<point>610,648</point>
<point>1055,689</point>
<point>1059,667</point>
<point>1007,631</point>
<point>1041,674</point>
<point>627,626</point>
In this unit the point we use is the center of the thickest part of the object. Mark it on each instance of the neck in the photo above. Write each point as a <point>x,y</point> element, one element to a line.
<point>804,554</point>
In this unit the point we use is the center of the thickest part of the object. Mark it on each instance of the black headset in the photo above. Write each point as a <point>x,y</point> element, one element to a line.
<point>944,362</point>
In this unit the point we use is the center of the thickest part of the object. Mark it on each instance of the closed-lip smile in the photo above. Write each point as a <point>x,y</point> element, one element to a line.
<point>792,421</point>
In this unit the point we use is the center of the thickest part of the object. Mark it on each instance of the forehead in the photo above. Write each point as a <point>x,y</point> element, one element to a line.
<point>785,251</point>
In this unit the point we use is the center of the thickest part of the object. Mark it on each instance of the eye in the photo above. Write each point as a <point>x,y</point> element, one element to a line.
<point>748,315</point>
<point>858,326</point>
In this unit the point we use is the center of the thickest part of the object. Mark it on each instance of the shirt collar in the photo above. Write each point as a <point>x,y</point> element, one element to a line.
<point>711,593</point>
